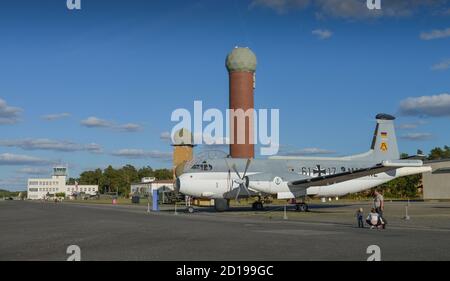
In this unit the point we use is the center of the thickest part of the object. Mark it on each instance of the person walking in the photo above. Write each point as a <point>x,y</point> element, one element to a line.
<point>378,204</point>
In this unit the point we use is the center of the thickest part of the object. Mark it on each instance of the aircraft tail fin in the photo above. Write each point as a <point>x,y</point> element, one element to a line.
<point>384,143</point>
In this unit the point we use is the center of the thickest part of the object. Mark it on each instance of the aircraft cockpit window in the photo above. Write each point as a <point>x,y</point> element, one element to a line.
<point>204,166</point>
<point>202,161</point>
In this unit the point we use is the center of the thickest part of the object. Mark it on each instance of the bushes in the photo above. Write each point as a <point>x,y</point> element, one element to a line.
<point>112,180</point>
<point>60,194</point>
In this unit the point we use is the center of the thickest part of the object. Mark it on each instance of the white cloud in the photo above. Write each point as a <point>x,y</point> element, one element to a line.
<point>54,145</point>
<point>353,9</point>
<point>33,171</point>
<point>435,34</point>
<point>165,136</point>
<point>142,154</point>
<point>129,127</point>
<point>433,106</point>
<point>287,150</point>
<point>411,126</point>
<point>322,33</point>
<point>407,126</point>
<point>52,117</point>
<point>417,136</point>
<point>349,9</point>
<point>94,122</point>
<point>9,114</point>
<point>281,6</point>
<point>17,159</point>
<point>443,65</point>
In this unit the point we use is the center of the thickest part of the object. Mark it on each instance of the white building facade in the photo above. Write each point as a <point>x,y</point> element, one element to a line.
<point>148,185</point>
<point>39,189</point>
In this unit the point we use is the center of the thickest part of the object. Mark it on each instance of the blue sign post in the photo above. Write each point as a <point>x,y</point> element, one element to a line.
<point>155,206</point>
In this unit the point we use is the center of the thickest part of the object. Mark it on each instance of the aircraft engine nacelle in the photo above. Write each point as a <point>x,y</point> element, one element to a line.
<point>274,186</point>
<point>202,188</point>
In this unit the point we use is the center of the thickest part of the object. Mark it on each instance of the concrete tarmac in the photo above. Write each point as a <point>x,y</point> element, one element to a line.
<point>44,230</point>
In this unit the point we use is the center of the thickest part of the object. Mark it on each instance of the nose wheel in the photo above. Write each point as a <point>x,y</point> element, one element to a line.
<point>258,206</point>
<point>302,207</point>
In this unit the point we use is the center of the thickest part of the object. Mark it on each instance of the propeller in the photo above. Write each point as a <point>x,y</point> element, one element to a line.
<point>242,181</point>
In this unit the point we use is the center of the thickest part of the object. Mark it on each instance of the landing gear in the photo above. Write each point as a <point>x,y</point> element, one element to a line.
<point>190,209</point>
<point>221,205</point>
<point>258,205</point>
<point>301,207</point>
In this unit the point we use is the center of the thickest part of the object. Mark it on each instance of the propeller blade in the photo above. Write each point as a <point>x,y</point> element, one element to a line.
<point>229,181</point>
<point>237,193</point>
<point>228,164</point>
<point>235,170</point>
<point>246,168</point>
<point>245,185</point>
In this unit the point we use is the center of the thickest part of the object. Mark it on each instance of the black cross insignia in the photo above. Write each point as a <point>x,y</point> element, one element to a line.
<point>318,170</point>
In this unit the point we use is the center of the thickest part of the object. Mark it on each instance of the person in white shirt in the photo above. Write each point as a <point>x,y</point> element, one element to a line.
<point>373,219</point>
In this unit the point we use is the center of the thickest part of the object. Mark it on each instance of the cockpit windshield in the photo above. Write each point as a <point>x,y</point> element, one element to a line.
<point>201,161</point>
<point>204,166</point>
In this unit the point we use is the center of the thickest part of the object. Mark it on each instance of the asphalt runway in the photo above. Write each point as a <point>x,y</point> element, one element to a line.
<point>44,230</point>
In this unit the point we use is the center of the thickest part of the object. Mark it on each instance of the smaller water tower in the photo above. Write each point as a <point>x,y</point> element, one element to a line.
<point>183,146</point>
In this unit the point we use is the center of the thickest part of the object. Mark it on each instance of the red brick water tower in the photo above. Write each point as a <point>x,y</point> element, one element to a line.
<point>241,66</point>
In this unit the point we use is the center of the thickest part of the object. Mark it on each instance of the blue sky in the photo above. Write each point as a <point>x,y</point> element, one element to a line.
<point>97,86</point>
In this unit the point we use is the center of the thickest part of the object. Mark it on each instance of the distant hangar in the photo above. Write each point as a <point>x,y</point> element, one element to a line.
<point>436,185</point>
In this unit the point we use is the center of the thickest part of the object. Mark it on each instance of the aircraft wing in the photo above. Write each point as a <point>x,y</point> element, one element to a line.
<point>350,175</point>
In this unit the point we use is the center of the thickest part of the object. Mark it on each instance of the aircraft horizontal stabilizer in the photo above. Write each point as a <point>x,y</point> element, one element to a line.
<point>402,163</point>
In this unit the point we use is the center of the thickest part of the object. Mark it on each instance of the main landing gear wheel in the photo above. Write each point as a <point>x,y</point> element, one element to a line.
<point>302,207</point>
<point>257,206</point>
<point>221,205</point>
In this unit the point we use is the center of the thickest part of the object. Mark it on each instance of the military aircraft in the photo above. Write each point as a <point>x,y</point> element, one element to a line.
<point>225,178</point>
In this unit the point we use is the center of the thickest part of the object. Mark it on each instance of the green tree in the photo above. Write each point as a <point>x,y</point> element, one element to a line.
<point>145,172</point>
<point>163,174</point>
<point>404,155</point>
<point>119,180</point>
<point>438,153</point>
<point>404,187</point>
<point>128,175</point>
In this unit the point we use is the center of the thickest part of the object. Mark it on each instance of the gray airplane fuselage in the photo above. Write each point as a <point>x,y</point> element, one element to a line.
<point>214,178</point>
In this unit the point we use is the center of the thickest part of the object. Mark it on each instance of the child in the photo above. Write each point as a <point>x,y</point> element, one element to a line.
<point>359,217</point>
<point>373,219</point>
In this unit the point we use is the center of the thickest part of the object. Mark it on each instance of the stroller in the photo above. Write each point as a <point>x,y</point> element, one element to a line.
<point>375,220</point>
